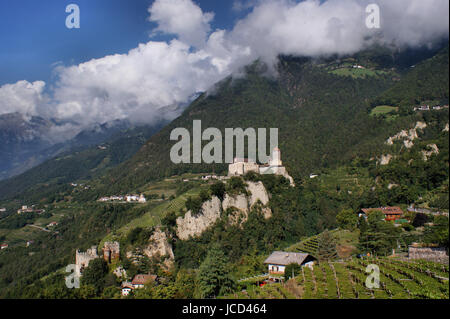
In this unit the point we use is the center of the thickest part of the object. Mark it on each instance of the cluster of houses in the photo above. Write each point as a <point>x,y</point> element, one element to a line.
<point>207,178</point>
<point>357,66</point>
<point>32,209</point>
<point>138,282</point>
<point>127,198</point>
<point>428,108</point>
<point>80,185</point>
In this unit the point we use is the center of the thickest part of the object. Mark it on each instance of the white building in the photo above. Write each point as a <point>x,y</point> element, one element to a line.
<point>278,261</point>
<point>142,199</point>
<point>127,287</point>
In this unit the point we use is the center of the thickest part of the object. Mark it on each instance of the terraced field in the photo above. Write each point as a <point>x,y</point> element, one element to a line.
<point>347,280</point>
<point>153,216</point>
<point>309,245</point>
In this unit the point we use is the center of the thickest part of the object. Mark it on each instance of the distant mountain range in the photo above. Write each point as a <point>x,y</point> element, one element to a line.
<point>26,142</point>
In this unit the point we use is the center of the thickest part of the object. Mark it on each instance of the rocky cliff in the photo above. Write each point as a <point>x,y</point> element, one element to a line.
<point>237,206</point>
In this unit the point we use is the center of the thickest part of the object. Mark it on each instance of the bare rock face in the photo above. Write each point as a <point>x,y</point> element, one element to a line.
<point>159,247</point>
<point>431,149</point>
<point>191,225</point>
<point>239,202</point>
<point>242,204</point>
<point>258,192</point>
<point>385,159</point>
<point>407,136</point>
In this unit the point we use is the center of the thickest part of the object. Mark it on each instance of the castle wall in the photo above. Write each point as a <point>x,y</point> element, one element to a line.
<point>82,259</point>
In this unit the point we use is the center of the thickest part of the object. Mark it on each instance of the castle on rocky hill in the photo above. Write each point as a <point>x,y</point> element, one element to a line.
<point>241,166</point>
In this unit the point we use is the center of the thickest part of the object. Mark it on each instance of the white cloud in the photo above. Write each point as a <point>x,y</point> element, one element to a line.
<point>183,18</point>
<point>136,84</point>
<point>156,74</point>
<point>23,97</point>
<point>313,27</point>
<point>242,5</point>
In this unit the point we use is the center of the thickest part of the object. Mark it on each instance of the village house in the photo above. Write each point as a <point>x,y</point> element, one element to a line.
<point>390,213</point>
<point>139,281</point>
<point>26,209</point>
<point>52,224</point>
<point>3,246</point>
<point>208,177</point>
<point>278,261</point>
<point>127,287</point>
<point>2,210</point>
<point>136,198</point>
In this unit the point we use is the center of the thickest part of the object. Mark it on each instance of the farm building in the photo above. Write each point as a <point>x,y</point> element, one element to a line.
<point>278,261</point>
<point>139,281</point>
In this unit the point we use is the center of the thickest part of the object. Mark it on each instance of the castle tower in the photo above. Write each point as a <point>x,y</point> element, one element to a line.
<point>276,158</point>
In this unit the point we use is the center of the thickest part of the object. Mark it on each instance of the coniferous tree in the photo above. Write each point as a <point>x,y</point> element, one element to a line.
<point>327,247</point>
<point>214,276</point>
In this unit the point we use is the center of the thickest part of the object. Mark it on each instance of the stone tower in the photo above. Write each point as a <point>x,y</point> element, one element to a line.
<point>111,251</point>
<point>276,158</point>
<point>82,259</point>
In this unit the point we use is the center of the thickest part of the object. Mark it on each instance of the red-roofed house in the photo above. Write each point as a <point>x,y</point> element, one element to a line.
<point>390,213</point>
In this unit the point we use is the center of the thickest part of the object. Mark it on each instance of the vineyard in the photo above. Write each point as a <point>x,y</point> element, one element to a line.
<point>347,280</point>
<point>309,245</point>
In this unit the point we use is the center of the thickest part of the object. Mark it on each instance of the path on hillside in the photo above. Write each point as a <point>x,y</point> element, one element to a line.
<point>39,227</point>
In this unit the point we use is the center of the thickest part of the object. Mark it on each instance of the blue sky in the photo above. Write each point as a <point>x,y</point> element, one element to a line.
<point>33,35</point>
<point>128,76</point>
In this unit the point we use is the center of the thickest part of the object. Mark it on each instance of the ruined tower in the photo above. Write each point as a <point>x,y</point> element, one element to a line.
<point>111,251</point>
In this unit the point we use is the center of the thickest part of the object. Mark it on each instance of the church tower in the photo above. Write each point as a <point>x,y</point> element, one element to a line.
<point>276,158</point>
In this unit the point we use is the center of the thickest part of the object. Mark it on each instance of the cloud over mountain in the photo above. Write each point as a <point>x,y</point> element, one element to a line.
<point>156,74</point>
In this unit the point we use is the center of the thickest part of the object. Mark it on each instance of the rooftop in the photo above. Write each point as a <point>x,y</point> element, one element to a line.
<point>285,258</point>
<point>385,210</point>
<point>142,279</point>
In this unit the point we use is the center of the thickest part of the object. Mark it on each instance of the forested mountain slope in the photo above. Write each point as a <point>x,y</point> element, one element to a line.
<point>322,118</point>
